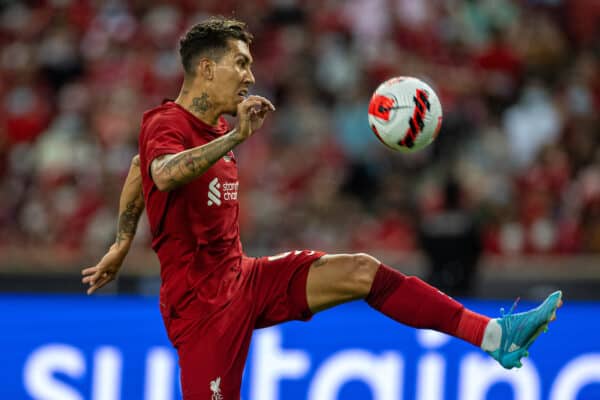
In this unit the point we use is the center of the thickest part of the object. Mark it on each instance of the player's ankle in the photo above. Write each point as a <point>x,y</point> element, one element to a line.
<point>492,336</point>
<point>471,326</point>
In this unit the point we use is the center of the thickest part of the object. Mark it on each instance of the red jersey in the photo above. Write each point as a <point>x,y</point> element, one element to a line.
<point>195,229</point>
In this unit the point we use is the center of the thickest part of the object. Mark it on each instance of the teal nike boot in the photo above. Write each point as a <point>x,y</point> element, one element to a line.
<point>519,331</point>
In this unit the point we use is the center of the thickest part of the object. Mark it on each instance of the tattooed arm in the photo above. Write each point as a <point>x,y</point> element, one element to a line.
<point>170,171</point>
<point>173,170</point>
<point>131,206</point>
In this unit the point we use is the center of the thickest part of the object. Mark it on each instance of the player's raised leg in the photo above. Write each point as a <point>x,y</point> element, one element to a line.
<point>336,279</point>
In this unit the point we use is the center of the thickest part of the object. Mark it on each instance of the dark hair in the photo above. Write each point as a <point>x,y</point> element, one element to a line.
<point>210,37</point>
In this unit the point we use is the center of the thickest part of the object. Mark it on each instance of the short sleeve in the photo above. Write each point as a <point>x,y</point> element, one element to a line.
<point>163,139</point>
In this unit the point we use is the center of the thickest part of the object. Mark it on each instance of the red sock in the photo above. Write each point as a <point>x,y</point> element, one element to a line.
<point>411,301</point>
<point>472,327</point>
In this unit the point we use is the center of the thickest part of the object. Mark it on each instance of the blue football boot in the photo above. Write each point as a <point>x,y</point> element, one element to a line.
<point>519,331</point>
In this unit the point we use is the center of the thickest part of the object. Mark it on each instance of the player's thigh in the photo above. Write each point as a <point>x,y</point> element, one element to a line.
<point>212,359</point>
<point>339,278</point>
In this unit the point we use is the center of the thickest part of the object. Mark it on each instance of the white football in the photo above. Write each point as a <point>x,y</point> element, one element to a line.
<point>405,114</point>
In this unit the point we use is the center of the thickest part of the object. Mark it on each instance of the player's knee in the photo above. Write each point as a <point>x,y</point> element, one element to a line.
<point>363,270</point>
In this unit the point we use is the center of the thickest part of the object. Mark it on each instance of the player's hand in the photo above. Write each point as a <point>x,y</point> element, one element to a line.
<point>105,271</point>
<point>251,115</point>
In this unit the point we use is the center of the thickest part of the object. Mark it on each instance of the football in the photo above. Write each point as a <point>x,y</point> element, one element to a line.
<point>405,114</point>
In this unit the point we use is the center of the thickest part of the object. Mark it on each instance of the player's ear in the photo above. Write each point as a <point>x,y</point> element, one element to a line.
<point>206,68</point>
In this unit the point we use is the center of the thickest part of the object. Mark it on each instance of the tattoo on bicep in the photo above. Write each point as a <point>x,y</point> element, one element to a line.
<point>200,104</point>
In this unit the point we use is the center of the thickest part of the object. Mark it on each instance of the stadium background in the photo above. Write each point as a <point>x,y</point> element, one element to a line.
<point>519,81</point>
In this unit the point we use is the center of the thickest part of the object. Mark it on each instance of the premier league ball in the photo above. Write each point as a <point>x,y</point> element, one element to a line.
<point>405,114</point>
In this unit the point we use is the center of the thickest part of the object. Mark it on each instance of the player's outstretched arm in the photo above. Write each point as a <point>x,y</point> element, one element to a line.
<point>131,206</point>
<point>173,170</point>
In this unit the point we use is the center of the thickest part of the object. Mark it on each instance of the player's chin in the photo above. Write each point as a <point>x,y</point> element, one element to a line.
<point>233,108</point>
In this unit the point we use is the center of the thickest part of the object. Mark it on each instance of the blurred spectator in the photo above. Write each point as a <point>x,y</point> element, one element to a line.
<point>530,124</point>
<point>451,241</point>
<point>519,82</point>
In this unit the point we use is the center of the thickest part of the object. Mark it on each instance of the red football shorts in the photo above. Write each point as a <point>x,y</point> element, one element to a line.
<point>213,345</point>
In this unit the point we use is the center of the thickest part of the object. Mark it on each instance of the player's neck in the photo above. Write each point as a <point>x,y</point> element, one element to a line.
<point>197,102</point>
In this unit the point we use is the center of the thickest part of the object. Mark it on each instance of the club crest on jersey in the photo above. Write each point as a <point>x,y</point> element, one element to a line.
<point>215,388</point>
<point>219,192</point>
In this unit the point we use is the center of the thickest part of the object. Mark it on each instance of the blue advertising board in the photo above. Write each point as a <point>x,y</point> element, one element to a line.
<point>109,348</point>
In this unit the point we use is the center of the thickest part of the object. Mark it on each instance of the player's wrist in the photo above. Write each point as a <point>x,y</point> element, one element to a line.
<point>236,135</point>
<point>122,246</point>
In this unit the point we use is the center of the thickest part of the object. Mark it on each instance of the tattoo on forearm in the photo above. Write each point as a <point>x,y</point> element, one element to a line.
<point>183,167</point>
<point>128,220</point>
<point>131,203</point>
<point>200,104</point>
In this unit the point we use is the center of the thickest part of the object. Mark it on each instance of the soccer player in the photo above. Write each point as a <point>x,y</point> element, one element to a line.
<point>212,296</point>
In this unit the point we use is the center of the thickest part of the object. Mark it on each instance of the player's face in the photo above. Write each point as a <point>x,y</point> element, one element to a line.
<point>233,76</point>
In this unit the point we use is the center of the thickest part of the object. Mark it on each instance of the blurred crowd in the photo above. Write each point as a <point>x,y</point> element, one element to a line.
<point>519,82</point>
